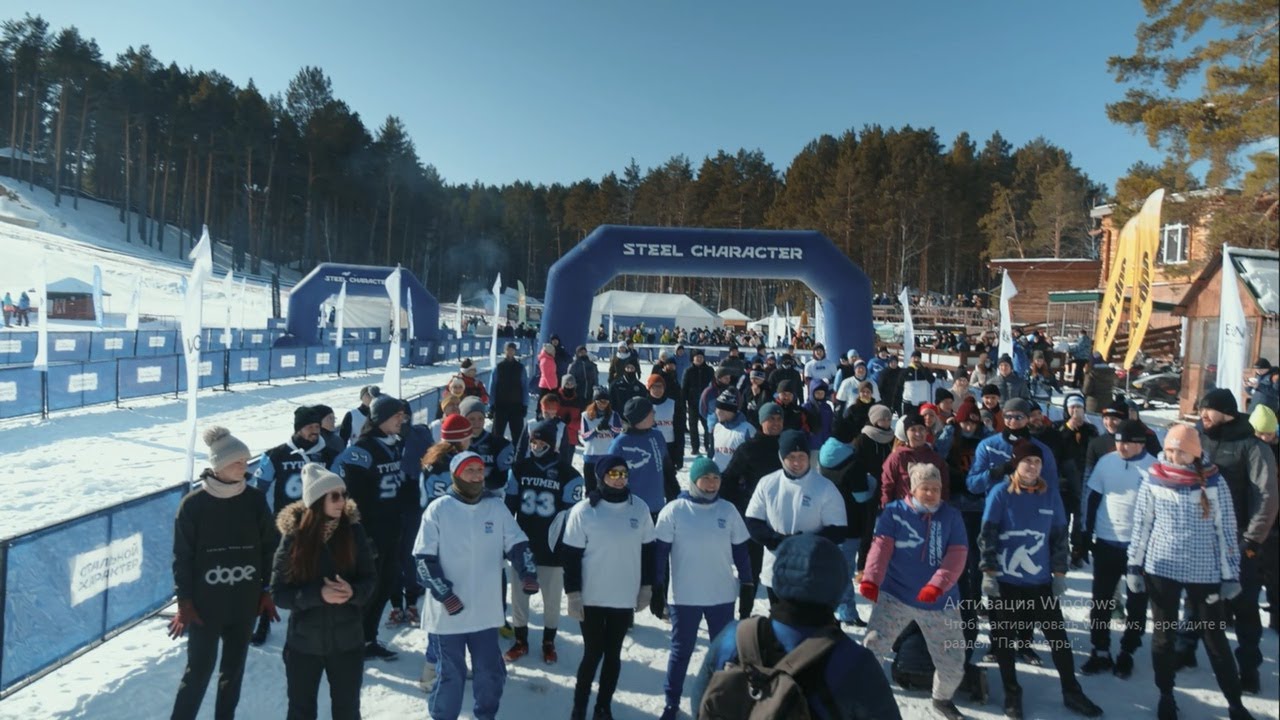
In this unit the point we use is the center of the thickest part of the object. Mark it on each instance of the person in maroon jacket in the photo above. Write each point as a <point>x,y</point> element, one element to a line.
<point>895,479</point>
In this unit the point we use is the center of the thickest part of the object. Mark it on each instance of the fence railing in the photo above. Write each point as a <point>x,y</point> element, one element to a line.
<point>67,587</point>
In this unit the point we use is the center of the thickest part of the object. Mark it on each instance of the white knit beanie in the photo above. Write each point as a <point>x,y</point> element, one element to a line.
<point>224,448</point>
<point>318,482</point>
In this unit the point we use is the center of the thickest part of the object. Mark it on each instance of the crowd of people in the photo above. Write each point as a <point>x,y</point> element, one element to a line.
<point>16,313</point>
<point>859,492</point>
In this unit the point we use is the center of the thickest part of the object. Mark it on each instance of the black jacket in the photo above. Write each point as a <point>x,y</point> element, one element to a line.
<point>625,388</point>
<point>315,626</point>
<point>753,459</point>
<point>542,490</point>
<point>696,379</point>
<point>222,553</point>
<point>1249,469</point>
<point>375,480</point>
<point>585,372</point>
<point>508,390</point>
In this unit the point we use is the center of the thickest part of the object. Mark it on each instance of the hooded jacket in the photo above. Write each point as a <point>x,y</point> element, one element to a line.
<point>585,373</point>
<point>820,414</point>
<point>895,481</point>
<point>548,375</point>
<point>1249,470</point>
<point>315,626</point>
<point>753,459</point>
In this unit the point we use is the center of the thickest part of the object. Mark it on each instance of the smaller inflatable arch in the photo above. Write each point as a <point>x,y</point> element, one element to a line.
<point>362,281</point>
<point>803,255</point>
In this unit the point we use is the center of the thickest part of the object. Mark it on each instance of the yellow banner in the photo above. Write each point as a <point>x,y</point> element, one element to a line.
<point>1121,278</point>
<point>1148,244</point>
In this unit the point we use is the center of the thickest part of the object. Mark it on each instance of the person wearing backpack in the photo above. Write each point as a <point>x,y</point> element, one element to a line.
<point>919,576</point>
<point>813,669</point>
<point>705,539</point>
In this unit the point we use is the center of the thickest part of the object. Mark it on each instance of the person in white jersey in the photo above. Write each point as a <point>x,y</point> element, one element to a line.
<point>793,500</point>
<point>731,430</point>
<point>820,367</point>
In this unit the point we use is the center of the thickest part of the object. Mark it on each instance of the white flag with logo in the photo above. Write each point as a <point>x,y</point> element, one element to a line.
<point>908,326</point>
<point>391,378</point>
<point>193,314</point>
<point>131,320</point>
<point>497,313</point>
<point>228,287</point>
<point>1007,293</point>
<point>340,312</point>
<point>243,292</point>
<point>819,322</point>
<point>457,319</point>
<point>97,296</point>
<point>41,299</point>
<point>1233,338</point>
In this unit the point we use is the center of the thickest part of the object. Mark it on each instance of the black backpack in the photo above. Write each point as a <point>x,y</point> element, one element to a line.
<point>912,666</point>
<point>754,689</point>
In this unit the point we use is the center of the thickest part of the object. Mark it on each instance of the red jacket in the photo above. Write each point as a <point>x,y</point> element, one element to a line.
<point>547,377</point>
<point>895,478</point>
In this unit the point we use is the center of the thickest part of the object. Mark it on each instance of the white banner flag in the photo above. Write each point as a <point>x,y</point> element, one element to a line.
<point>201,269</point>
<point>391,378</point>
<point>243,292</point>
<point>497,315</point>
<point>819,322</point>
<point>41,299</point>
<point>612,337</point>
<point>1233,332</point>
<point>408,299</point>
<point>340,312</point>
<point>908,326</point>
<point>131,320</point>
<point>786,324</point>
<point>1007,293</point>
<point>228,287</point>
<point>457,319</point>
<point>97,296</point>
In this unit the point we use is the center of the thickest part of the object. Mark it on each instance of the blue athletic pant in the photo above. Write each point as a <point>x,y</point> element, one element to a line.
<point>685,620</point>
<point>488,675</point>
<point>849,601</point>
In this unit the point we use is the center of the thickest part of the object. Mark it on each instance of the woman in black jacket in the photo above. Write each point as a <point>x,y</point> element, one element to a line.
<point>324,572</point>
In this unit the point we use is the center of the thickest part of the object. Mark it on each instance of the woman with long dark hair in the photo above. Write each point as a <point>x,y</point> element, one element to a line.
<point>324,573</point>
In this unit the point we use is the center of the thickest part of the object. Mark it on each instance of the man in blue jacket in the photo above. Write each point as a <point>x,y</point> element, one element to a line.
<point>988,468</point>
<point>809,578</point>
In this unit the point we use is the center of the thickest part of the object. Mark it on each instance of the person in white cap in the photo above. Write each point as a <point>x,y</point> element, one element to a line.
<point>324,574</point>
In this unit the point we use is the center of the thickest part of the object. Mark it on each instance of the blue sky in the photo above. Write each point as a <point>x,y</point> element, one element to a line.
<point>550,91</point>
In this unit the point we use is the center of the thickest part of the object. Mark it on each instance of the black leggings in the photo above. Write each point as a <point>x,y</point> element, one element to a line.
<point>1020,608</point>
<point>1211,621</point>
<point>387,563</point>
<point>1109,565</point>
<point>202,651</point>
<point>603,630</point>
<point>345,671</point>
<point>747,598</point>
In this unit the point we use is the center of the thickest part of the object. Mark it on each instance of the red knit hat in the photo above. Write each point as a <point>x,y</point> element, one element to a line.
<point>655,378</point>
<point>455,428</point>
<point>968,412</point>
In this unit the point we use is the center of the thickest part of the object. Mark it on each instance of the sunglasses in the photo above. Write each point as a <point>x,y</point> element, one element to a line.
<point>1014,416</point>
<point>617,473</point>
<point>336,495</point>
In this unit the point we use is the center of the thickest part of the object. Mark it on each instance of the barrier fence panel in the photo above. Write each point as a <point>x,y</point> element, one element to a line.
<point>258,338</point>
<point>376,356</point>
<point>288,363</point>
<point>322,361</point>
<point>78,384</point>
<point>352,359</point>
<point>17,348</point>
<point>157,342</point>
<point>212,370</point>
<point>248,366</point>
<point>69,347</point>
<point>143,376</point>
<point>69,585</point>
<point>421,353</point>
<point>20,392</point>
<point>109,345</point>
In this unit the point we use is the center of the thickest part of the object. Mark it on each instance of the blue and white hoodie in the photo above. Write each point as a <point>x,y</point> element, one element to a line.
<point>645,453</point>
<point>1024,535</point>
<point>921,542</point>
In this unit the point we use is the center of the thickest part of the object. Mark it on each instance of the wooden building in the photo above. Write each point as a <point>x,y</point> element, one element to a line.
<point>1259,272</point>
<point>1036,278</point>
<point>71,299</point>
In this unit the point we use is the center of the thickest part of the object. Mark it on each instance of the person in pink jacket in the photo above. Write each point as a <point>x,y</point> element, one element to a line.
<point>548,380</point>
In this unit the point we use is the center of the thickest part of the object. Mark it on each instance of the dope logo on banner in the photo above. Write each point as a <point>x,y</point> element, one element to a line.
<point>94,572</point>
<point>229,576</point>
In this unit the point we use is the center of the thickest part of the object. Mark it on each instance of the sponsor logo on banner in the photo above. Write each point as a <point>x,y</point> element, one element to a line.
<point>739,252</point>
<point>10,346</point>
<point>288,361</point>
<point>149,374</point>
<point>353,356</point>
<point>156,341</point>
<point>96,571</point>
<point>322,358</point>
<point>229,576</point>
<point>83,382</point>
<point>205,368</point>
<point>255,338</point>
<point>113,343</point>
<point>377,353</point>
<point>8,391</point>
<point>64,345</point>
<point>249,364</point>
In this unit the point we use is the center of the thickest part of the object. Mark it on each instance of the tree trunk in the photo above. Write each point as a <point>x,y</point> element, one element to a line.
<point>208,185</point>
<point>391,214</point>
<point>182,204</point>
<point>248,190</point>
<point>164,194</point>
<point>307,224</point>
<point>57,146</point>
<point>142,186</point>
<point>13,129</point>
<point>126,210</point>
<point>84,122</point>
<point>34,140</point>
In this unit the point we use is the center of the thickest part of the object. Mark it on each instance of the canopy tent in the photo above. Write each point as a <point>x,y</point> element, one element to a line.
<point>653,309</point>
<point>734,317</point>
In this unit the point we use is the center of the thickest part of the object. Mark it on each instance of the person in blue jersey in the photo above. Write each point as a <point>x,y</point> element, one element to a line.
<point>704,539</point>
<point>540,488</point>
<point>793,500</point>
<point>652,479</point>
<point>809,579</point>
<point>877,364</point>
<point>994,452</point>
<point>464,535</point>
<point>731,430</point>
<point>323,574</point>
<point>224,538</point>
<point>1025,554</point>
<point>600,425</point>
<point>916,558</point>
<point>607,549</point>
<point>370,467</point>
<point>1105,533</point>
<point>1183,542</point>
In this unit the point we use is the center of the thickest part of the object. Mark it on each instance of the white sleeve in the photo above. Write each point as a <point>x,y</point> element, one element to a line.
<point>512,534</point>
<point>646,525</point>
<point>833,513</point>
<point>575,533</point>
<point>1097,480</point>
<point>756,505</point>
<point>844,393</point>
<point>665,530</point>
<point>428,540</point>
<point>737,528</point>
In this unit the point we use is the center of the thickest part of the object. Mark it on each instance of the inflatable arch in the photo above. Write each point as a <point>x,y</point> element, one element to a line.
<point>807,256</point>
<point>362,281</point>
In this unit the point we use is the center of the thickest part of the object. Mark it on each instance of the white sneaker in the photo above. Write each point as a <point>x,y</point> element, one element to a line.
<point>428,679</point>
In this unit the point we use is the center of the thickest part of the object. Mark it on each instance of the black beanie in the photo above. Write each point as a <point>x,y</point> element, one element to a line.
<point>307,415</point>
<point>383,408</point>
<point>990,389</point>
<point>942,394</point>
<point>792,441</point>
<point>1221,400</point>
<point>636,410</point>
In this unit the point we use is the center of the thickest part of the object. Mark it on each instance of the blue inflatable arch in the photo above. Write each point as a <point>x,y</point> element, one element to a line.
<point>807,256</point>
<point>362,281</point>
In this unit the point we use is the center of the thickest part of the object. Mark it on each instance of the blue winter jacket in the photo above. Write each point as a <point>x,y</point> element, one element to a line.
<point>645,453</point>
<point>989,460</point>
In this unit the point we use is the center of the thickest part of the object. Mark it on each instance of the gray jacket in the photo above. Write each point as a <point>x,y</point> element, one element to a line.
<point>1011,386</point>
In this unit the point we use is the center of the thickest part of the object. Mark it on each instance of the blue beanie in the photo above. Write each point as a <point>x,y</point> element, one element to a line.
<point>702,466</point>
<point>768,410</point>
<point>792,441</point>
<point>834,454</point>
<point>811,569</point>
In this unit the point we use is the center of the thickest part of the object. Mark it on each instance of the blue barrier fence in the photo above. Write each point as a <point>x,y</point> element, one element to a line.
<point>123,366</point>
<point>67,587</point>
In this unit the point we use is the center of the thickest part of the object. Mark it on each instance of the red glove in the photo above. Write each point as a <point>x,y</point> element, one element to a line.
<point>869,590</point>
<point>267,607</point>
<point>186,617</point>
<point>929,594</point>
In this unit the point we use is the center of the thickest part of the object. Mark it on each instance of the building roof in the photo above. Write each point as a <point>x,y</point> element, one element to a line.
<point>1259,269</point>
<point>733,314</point>
<point>622,302</point>
<point>72,286</point>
